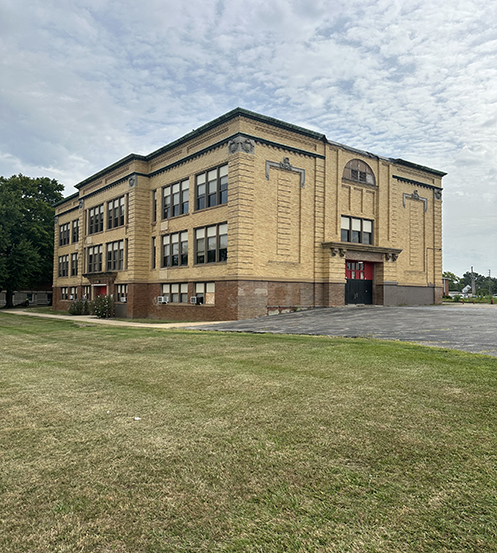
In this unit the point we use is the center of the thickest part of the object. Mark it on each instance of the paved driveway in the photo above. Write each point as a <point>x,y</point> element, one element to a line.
<point>469,327</point>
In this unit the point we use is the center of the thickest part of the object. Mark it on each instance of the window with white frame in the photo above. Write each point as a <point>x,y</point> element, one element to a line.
<point>73,293</point>
<point>175,199</point>
<point>211,188</point>
<point>115,255</point>
<point>154,252</point>
<point>64,234</point>
<point>115,212</point>
<point>357,230</point>
<point>64,293</point>
<point>211,243</point>
<point>86,292</point>
<point>74,264</point>
<point>63,265</point>
<point>96,219</point>
<point>175,249</point>
<point>121,293</point>
<point>154,206</point>
<point>75,231</point>
<point>176,292</point>
<point>94,259</point>
<point>205,292</point>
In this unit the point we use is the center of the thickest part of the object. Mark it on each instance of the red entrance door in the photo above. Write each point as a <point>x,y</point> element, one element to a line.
<point>101,290</point>
<point>359,287</point>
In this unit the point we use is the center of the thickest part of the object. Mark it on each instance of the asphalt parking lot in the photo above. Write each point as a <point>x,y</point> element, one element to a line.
<point>469,327</point>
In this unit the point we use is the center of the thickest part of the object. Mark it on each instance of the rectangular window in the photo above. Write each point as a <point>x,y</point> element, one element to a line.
<point>154,252</point>
<point>115,256</point>
<point>86,292</point>
<point>205,292</point>
<point>96,219</point>
<point>73,293</point>
<point>121,293</point>
<point>74,264</point>
<point>75,231</point>
<point>175,199</point>
<point>64,234</point>
<point>211,244</point>
<point>359,231</point>
<point>176,293</point>
<point>175,249</point>
<point>115,212</point>
<point>94,259</point>
<point>154,206</point>
<point>211,188</point>
<point>64,265</point>
<point>64,293</point>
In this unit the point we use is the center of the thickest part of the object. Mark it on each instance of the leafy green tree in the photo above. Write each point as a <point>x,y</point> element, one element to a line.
<point>26,231</point>
<point>454,281</point>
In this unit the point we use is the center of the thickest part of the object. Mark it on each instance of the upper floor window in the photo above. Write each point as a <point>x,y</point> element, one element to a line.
<point>75,231</point>
<point>115,256</point>
<point>359,171</point>
<point>74,264</point>
<point>154,206</point>
<point>175,249</point>
<point>357,230</point>
<point>211,243</point>
<point>64,234</point>
<point>94,259</point>
<point>64,265</point>
<point>96,219</point>
<point>115,212</point>
<point>211,188</point>
<point>175,199</point>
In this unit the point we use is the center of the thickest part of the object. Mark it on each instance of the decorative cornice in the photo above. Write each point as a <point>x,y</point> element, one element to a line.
<point>417,183</point>
<point>341,248</point>
<point>286,166</point>
<point>241,143</point>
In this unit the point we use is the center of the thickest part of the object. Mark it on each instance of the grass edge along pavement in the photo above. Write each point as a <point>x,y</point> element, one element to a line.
<point>149,440</point>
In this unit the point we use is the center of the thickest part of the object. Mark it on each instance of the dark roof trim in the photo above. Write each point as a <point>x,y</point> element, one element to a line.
<point>75,208</point>
<point>68,199</point>
<point>418,167</point>
<point>417,183</point>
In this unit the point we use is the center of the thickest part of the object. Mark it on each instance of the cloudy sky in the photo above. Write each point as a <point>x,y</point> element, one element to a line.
<point>84,83</point>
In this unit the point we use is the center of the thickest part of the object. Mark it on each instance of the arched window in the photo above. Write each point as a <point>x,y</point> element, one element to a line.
<point>359,171</point>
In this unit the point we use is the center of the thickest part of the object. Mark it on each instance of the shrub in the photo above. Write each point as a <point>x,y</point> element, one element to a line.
<point>103,307</point>
<point>457,298</point>
<point>79,306</point>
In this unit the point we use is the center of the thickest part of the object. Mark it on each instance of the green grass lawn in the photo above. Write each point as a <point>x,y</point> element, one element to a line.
<point>244,443</point>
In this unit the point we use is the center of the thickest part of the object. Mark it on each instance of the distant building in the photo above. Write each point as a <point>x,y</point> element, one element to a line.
<point>246,216</point>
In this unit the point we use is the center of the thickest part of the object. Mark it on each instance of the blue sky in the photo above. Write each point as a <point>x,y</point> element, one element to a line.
<point>84,83</point>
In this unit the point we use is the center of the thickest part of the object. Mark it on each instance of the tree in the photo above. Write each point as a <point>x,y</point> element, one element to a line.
<point>26,231</point>
<point>454,281</point>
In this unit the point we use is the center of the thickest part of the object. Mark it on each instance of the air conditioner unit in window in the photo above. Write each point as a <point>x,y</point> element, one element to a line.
<point>122,299</point>
<point>163,299</point>
<point>193,299</point>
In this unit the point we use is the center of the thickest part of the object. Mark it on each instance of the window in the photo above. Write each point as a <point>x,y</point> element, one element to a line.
<point>115,256</point>
<point>211,244</point>
<point>96,219</point>
<point>86,292</point>
<point>95,259</point>
<point>358,171</point>
<point>175,249</point>
<point>212,188</point>
<point>64,265</point>
<point>154,206</point>
<point>75,231</point>
<point>175,199</point>
<point>205,292</point>
<point>357,230</point>
<point>177,292</point>
<point>64,234</point>
<point>121,293</point>
<point>74,264</point>
<point>154,252</point>
<point>115,213</point>
<point>73,293</point>
<point>64,293</point>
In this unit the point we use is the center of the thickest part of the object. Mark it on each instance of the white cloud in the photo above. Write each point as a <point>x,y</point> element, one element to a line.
<point>86,82</point>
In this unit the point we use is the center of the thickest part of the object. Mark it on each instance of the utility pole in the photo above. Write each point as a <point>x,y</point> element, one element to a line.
<point>473,287</point>
<point>489,283</point>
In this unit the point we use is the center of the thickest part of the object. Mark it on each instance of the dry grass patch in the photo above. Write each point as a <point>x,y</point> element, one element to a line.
<point>243,443</point>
